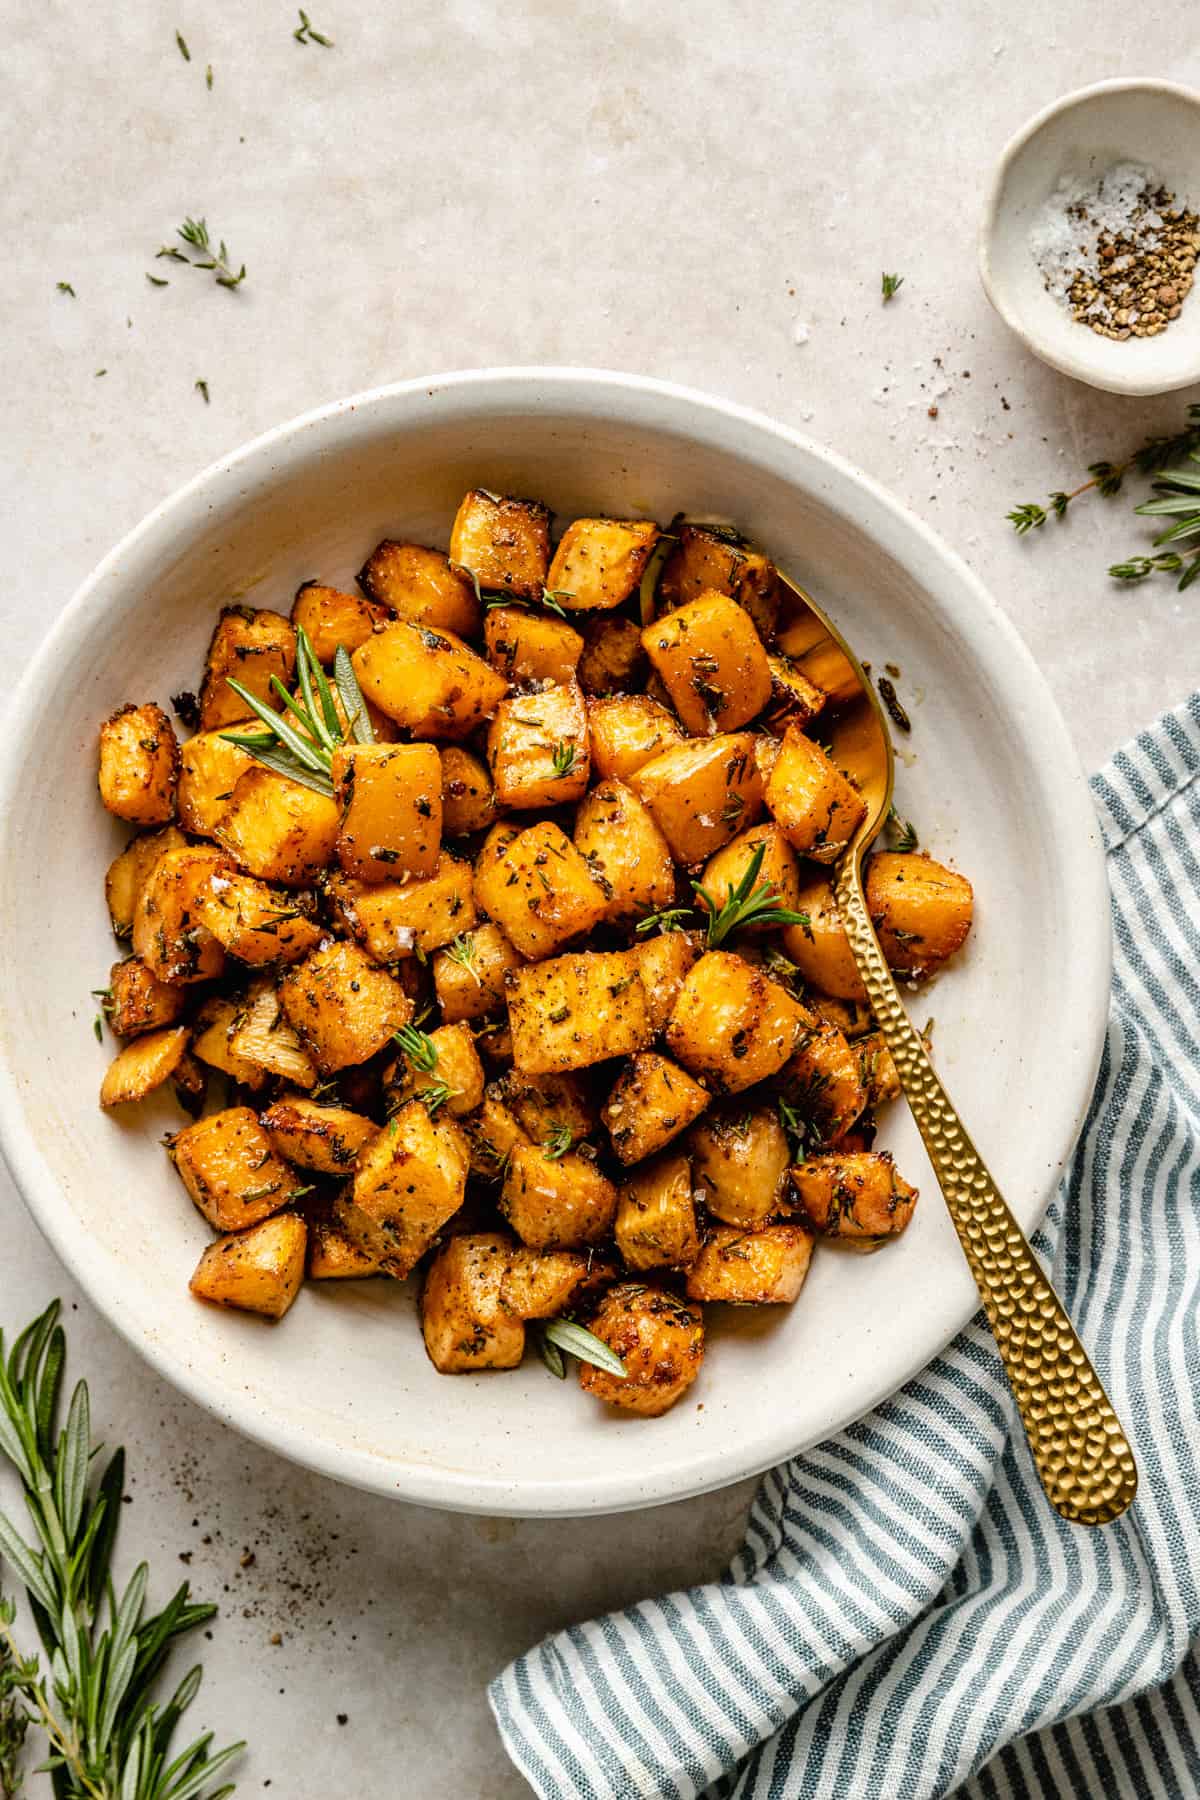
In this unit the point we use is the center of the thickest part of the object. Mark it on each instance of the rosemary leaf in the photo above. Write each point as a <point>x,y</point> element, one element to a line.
<point>551,1355</point>
<point>564,1334</point>
<point>890,286</point>
<point>346,681</point>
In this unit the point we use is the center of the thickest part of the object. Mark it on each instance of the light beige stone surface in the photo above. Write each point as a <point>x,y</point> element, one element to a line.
<point>677,189</point>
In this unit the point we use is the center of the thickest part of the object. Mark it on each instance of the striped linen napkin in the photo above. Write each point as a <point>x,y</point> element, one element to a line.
<point>908,1618</point>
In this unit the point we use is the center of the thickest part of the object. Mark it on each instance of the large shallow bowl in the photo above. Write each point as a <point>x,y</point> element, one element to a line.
<point>988,773</point>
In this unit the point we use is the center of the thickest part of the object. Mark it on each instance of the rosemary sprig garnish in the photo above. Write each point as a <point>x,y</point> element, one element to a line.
<point>1178,498</point>
<point>549,597</point>
<point>15,1719</point>
<point>419,1049</point>
<point>558,1141</point>
<point>671,918</point>
<point>305,33</point>
<point>890,286</point>
<point>751,902</point>
<point>195,233</point>
<point>559,1335</point>
<point>183,49</point>
<point>283,749</point>
<point>109,1739</point>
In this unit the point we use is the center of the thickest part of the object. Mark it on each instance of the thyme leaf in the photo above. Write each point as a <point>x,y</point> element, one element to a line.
<point>890,286</point>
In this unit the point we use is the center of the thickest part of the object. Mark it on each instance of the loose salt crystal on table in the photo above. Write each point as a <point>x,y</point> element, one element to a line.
<point>800,332</point>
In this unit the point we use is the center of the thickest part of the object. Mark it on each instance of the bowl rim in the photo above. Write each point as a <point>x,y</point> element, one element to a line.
<point>1079,367</point>
<point>1086,979</point>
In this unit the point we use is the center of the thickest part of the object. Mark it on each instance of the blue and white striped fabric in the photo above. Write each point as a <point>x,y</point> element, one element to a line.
<point>907,1617</point>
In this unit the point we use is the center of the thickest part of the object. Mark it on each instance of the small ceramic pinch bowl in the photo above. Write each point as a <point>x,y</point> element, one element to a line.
<point>1153,123</point>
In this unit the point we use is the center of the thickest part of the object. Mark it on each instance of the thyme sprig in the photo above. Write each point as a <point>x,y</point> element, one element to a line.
<point>565,758</point>
<point>108,1738</point>
<point>906,832</point>
<point>559,1335</point>
<point>890,286</point>
<point>420,1051</point>
<point>306,755</point>
<point>559,1139</point>
<point>195,233</point>
<point>462,951</point>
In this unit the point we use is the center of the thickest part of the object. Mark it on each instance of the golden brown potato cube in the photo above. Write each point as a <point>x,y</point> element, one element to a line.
<point>128,872</point>
<point>342,1006</point>
<point>656,1216</point>
<point>628,731</point>
<point>819,658</point>
<point>335,620</point>
<point>660,1340</point>
<point>139,764</point>
<point>820,948</point>
<point>393,921</point>
<point>573,1011</point>
<point>556,1203</point>
<point>711,557</point>
<point>138,1001</point>
<point>527,646</point>
<point>420,585</point>
<point>702,793</point>
<point>491,1134</point>
<point>258,1271</point>
<point>463,1317</point>
<point>795,700</point>
<point>276,829</point>
<point>921,911</point>
<point>538,748</point>
<point>625,850</point>
<point>817,808</point>
<point>652,1102</point>
<point>822,1080</point>
<point>143,1066</point>
<point>779,869</point>
<point>539,889</point>
<point>261,1037</point>
<point>877,1069</point>
<point>860,1196</point>
<point>538,1284</point>
<point>215,1023</point>
<point>411,1179</point>
<point>599,562</point>
<point>852,1017</point>
<point>468,798</point>
<point>712,663</point>
<point>468,975</point>
<point>751,1268</point>
<point>663,961</point>
<point>209,771</point>
<point>740,1161</point>
<point>429,681</point>
<point>390,797</point>
<point>254,921</point>
<point>169,933</point>
<point>456,1066</point>
<point>613,660</point>
<point>502,542</point>
<point>250,646</point>
<point>545,1106</point>
<point>325,1138</point>
<point>730,1024</point>
<point>333,1257</point>
<point>229,1167</point>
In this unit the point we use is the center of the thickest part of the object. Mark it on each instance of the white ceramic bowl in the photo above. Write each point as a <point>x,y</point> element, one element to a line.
<point>1155,123</point>
<point>989,775</point>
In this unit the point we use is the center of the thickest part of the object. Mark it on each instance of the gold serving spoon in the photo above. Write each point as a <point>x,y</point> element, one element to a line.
<point>1081,1453</point>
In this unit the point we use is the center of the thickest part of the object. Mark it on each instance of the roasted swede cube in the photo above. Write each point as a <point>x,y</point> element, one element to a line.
<point>556,1203</point>
<point>276,829</point>
<point>254,921</point>
<point>528,646</point>
<point>420,585</point>
<point>663,961</point>
<point>860,1196</point>
<point>229,1166</point>
<point>751,1268</point>
<point>599,562</point>
<point>445,1062</point>
<point>468,974</point>
<point>343,1007</point>
<point>652,1102</point>
<point>139,764</point>
<point>656,1216</point>
<point>724,872</point>
<point>573,1011</point>
<point>545,1106</point>
<point>702,793</point>
<point>712,557</point>
<point>853,1018</point>
<point>921,911</point>
<point>411,1179</point>
<point>491,1135</point>
<point>209,769</point>
<point>250,646</point>
<point>390,797</point>
<point>628,731</point>
<point>260,1270</point>
<point>502,542</point>
<point>795,700</point>
<point>144,1065</point>
<point>877,1069</point>
<point>822,1080</point>
<point>538,1284</point>
<point>335,620</point>
<point>731,1026</point>
<point>128,872</point>
<point>261,1037</point>
<point>393,921</point>
<point>740,1160</point>
<point>817,808</point>
<point>613,660</point>
<point>712,663</point>
<point>625,850</point>
<point>660,1340</point>
<point>819,658</point>
<point>332,1256</point>
<point>538,889</point>
<point>820,948</point>
<point>169,933</point>
<point>429,681</point>
<point>325,1138</point>
<point>138,1001</point>
<point>468,798</point>
<point>464,1320</point>
<point>538,749</point>
<point>211,1043</point>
